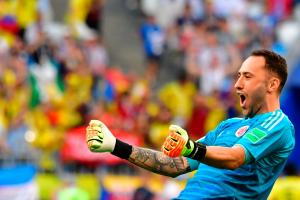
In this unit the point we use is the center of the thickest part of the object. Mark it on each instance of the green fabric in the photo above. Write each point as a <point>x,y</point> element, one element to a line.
<point>188,148</point>
<point>72,193</point>
<point>255,135</point>
<point>35,93</point>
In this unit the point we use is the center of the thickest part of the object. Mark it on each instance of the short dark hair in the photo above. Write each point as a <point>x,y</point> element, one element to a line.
<point>275,64</point>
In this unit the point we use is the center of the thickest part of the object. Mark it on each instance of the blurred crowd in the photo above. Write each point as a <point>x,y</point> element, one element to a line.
<point>55,77</point>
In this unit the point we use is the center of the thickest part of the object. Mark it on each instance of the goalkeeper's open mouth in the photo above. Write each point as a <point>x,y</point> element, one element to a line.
<point>243,99</point>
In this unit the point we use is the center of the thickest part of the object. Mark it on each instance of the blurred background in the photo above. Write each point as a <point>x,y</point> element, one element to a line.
<point>137,65</point>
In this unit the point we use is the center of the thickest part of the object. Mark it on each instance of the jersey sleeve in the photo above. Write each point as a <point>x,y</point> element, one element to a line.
<point>261,140</point>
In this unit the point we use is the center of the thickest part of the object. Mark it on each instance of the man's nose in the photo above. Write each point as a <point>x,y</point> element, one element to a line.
<point>239,83</point>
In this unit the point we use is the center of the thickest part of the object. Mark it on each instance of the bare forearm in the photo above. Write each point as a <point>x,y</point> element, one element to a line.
<point>157,162</point>
<point>224,157</point>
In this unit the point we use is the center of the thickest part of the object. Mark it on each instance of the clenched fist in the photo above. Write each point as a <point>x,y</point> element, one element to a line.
<point>177,143</point>
<point>99,138</point>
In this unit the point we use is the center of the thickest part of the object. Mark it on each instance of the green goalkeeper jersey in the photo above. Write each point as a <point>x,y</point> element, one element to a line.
<point>268,140</point>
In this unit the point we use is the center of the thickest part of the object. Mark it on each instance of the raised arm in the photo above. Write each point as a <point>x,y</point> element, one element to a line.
<point>178,143</point>
<point>100,139</point>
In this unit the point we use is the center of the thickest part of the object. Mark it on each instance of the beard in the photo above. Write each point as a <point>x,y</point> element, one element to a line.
<point>257,102</point>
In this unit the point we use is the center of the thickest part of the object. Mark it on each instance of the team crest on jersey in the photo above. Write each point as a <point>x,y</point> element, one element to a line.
<point>241,131</point>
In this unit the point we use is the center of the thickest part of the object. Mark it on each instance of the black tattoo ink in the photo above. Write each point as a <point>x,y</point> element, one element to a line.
<point>158,162</point>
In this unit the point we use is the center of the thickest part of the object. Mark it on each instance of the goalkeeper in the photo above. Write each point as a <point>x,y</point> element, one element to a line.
<point>241,158</point>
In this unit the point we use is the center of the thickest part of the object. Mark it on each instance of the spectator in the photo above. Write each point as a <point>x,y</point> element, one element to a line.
<point>178,96</point>
<point>95,15</point>
<point>153,39</point>
<point>97,59</point>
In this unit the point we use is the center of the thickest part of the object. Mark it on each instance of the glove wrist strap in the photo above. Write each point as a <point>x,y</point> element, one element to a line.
<point>198,152</point>
<point>122,150</point>
<point>188,148</point>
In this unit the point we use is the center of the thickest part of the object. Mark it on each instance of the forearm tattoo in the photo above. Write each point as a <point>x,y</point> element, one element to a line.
<point>157,162</point>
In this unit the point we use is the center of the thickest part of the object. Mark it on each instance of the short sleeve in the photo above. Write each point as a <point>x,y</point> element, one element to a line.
<point>261,141</point>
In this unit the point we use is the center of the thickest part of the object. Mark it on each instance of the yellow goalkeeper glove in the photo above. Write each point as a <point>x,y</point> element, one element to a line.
<point>100,139</point>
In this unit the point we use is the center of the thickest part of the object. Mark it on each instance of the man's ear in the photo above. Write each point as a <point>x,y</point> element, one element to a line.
<point>274,84</point>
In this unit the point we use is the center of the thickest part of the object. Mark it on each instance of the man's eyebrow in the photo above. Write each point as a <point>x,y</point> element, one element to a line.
<point>245,73</point>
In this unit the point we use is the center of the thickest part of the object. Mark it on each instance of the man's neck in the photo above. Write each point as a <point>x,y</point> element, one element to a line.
<point>272,104</point>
